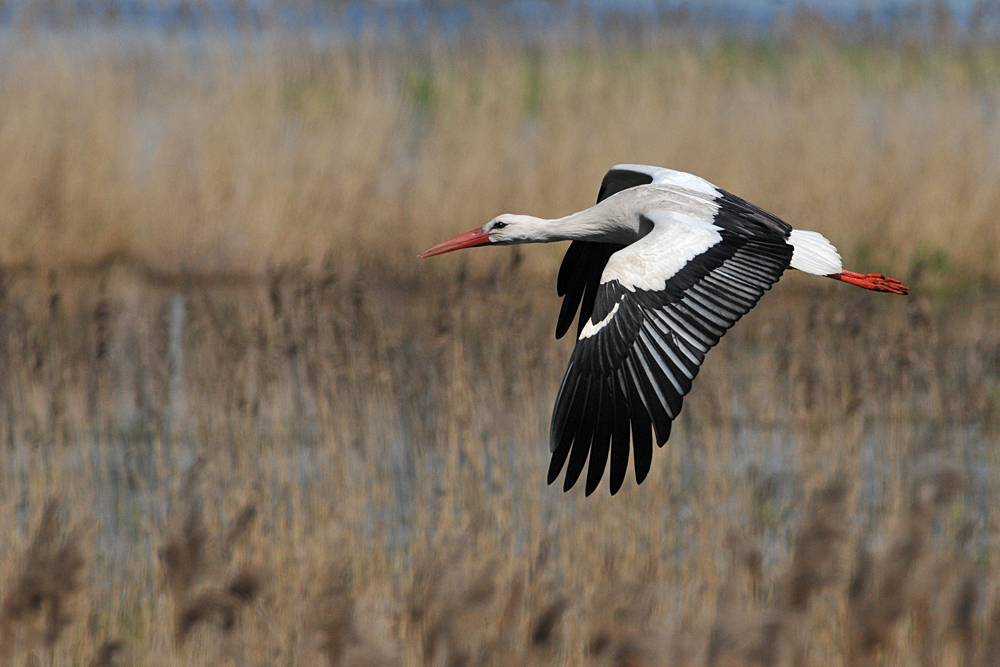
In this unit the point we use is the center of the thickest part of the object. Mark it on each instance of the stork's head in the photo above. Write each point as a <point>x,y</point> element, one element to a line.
<point>506,229</point>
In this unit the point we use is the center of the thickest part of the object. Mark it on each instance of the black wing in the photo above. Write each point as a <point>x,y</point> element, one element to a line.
<point>630,375</point>
<point>584,261</point>
<point>742,217</point>
<point>579,276</point>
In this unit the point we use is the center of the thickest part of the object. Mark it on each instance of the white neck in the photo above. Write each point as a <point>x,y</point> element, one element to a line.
<point>593,224</point>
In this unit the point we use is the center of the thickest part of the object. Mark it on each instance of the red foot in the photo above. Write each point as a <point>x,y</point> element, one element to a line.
<point>873,281</point>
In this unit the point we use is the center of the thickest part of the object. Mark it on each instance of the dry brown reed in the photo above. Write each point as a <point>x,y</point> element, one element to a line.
<point>360,494</point>
<point>346,637</point>
<point>763,632</point>
<point>879,591</point>
<point>198,567</point>
<point>299,446</point>
<point>37,606</point>
<point>106,654</point>
<point>235,156</point>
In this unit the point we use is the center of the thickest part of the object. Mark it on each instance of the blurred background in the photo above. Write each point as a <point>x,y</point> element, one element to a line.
<point>240,422</point>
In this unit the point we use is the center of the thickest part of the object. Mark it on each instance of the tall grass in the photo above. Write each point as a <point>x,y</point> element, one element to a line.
<point>354,473</point>
<point>239,155</point>
<point>273,437</point>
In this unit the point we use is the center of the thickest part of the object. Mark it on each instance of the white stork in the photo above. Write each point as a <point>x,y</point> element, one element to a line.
<point>660,268</point>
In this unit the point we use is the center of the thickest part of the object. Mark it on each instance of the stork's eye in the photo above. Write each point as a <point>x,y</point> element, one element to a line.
<point>499,225</point>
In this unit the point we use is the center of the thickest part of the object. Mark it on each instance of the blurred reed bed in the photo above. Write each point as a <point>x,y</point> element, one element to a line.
<point>241,424</point>
<point>322,469</point>
<point>238,154</point>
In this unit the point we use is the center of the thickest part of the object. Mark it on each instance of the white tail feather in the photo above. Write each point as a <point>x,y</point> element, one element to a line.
<point>813,253</point>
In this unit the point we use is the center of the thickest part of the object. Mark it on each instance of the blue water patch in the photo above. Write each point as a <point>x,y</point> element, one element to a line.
<point>415,19</point>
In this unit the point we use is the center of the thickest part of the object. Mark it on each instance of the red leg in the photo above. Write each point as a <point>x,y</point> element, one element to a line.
<point>873,281</point>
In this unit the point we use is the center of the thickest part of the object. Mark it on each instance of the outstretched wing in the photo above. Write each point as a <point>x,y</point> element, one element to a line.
<point>583,264</point>
<point>659,306</point>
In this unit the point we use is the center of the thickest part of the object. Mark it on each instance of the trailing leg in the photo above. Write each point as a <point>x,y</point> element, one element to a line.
<point>873,281</point>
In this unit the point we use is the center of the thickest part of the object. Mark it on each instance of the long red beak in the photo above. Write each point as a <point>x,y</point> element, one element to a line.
<point>467,240</point>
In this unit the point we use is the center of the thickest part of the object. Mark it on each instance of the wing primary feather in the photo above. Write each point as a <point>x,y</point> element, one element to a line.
<point>724,295</point>
<point>637,400</point>
<point>564,400</point>
<point>694,323</point>
<point>728,294</point>
<point>750,262</point>
<point>652,380</point>
<point>724,279</point>
<point>684,372</point>
<point>570,266</point>
<point>570,304</point>
<point>666,435</point>
<point>707,323</point>
<point>745,262</point>
<point>656,354</point>
<point>620,439</point>
<point>584,436</point>
<point>706,314</point>
<point>669,387</point>
<point>601,444</point>
<point>642,437</point>
<point>731,287</point>
<point>692,356</point>
<point>748,279</point>
<point>685,345</point>
<point>557,462</point>
<point>655,402</point>
<point>570,427</point>
<point>697,338</point>
<point>700,297</point>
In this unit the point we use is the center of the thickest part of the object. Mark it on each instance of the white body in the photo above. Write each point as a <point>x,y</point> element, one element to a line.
<point>680,207</point>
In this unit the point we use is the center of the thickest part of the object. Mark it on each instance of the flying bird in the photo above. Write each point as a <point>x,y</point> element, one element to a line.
<point>658,269</point>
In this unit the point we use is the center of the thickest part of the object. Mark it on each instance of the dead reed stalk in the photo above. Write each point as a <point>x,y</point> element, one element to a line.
<point>199,569</point>
<point>345,637</point>
<point>882,588</point>
<point>38,605</point>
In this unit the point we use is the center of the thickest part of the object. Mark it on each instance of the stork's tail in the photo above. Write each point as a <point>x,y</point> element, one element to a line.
<point>873,281</point>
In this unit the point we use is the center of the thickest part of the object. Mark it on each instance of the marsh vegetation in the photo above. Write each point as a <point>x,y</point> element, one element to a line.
<point>242,424</point>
